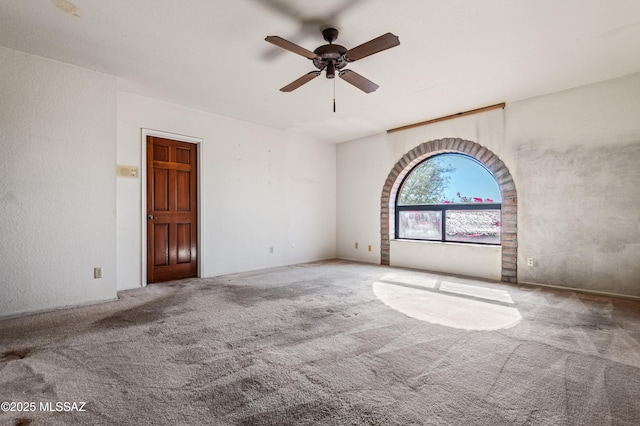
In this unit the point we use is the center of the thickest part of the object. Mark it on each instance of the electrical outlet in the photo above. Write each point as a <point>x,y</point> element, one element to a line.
<point>270,249</point>
<point>97,272</point>
<point>356,244</point>
<point>530,261</point>
<point>370,247</point>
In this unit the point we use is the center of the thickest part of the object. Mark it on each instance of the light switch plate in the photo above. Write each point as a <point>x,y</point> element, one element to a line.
<point>131,172</point>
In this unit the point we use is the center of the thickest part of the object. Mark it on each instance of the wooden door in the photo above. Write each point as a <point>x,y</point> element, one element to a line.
<point>172,204</point>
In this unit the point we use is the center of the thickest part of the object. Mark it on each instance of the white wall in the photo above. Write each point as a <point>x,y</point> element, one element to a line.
<point>57,184</point>
<point>574,157</point>
<point>260,188</point>
<point>481,261</point>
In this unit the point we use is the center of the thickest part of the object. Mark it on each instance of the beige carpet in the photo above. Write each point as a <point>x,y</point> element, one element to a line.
<point>334,343</point>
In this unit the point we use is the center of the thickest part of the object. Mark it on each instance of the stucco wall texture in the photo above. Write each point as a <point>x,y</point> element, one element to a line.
<point>577,155</point>
<point>573,156</point>
<point>57,184</point>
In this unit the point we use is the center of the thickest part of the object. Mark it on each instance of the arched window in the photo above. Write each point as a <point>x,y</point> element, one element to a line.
<point>449,197</point>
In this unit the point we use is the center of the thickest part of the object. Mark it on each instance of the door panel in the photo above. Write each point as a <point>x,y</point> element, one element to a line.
<point>160,190</point>
<point>161,244</point>
<point>184,242</point>
<point>172,204</point>
<point>183,156</point>
<point>161,153</point>
<point>183,192</point>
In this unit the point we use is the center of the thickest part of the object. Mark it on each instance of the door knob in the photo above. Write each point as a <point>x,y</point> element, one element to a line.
<point>151,217</point>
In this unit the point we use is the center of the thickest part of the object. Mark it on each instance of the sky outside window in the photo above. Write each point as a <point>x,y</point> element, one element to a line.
<point>470,178</point>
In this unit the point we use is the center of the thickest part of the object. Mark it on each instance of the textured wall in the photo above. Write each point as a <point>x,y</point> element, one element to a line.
<point>578,172</point>
<point>57,184</point>
<point>574,158</point>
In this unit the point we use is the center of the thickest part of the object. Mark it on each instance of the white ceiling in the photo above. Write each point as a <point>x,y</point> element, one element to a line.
<point>455,55</point>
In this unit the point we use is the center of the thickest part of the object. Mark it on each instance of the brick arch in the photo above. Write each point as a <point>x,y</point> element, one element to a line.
<point>509,234</point>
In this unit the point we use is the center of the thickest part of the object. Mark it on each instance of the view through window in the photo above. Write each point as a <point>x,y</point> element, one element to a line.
<point>449,197</point>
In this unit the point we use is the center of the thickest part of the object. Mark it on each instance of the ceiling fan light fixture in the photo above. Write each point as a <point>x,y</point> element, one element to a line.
<point>331,70</point>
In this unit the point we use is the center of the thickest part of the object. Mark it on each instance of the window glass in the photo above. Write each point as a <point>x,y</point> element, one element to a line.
<point>422,225</point>
<point>449,178</point>
<point>473,226</point>
<point>426,183</point>
<point>470,181</point>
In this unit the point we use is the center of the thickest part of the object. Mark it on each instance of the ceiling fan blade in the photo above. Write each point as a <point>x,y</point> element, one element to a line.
<point>292,47</point>
<point>299,82</point>
<point>378,44</point>
<point>359,81</point>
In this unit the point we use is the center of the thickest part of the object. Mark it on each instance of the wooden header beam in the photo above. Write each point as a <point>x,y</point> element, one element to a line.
<point>448,117</point>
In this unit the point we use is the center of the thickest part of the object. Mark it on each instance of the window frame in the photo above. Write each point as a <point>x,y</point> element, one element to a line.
<point>443,208</point>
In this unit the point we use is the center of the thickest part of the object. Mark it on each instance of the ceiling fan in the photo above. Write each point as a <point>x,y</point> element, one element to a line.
<point>333,57</point>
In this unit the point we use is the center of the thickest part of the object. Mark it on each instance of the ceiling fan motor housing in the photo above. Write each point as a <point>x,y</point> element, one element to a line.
<point>330,56</point>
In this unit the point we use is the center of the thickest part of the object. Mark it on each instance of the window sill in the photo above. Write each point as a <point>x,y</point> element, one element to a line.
<point>447,243</point>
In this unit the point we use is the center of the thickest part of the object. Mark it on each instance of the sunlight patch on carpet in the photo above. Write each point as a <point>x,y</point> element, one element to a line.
<point>451,304</point>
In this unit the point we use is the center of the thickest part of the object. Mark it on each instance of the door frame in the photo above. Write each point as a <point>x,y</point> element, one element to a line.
<point>143,196</point>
